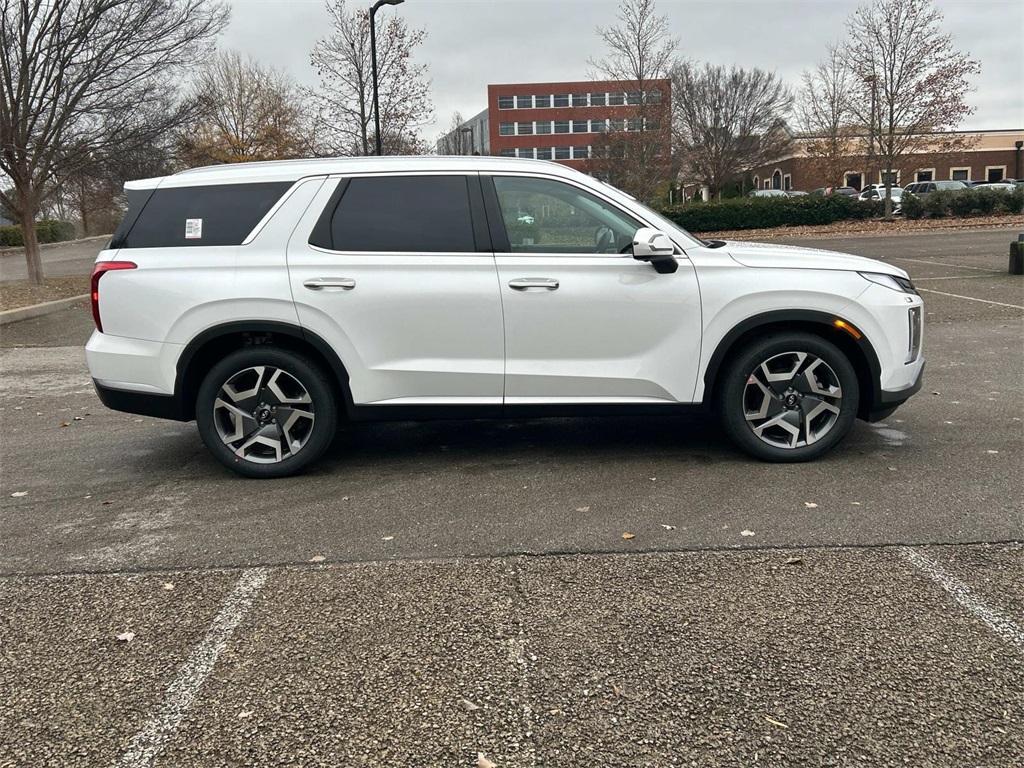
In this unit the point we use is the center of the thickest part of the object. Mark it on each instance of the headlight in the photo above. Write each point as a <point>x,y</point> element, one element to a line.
<point>901,284</point>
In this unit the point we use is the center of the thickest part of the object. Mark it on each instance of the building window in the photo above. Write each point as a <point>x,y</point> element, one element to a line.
<point>924,174</point>
<point>526,153</point>
<point>579,99</point>
<point>777,179</point>
<point>616,124</point>
<point>653,97</point>
<point>633,98</point>
<point>995,172</point>
<point>853,179</point>
<point>561,99</point>
<point>757,182</point>
<point>616,99</point>
<point>960,174</point>
<point>541,102</point>
<point>787,182</point>
<point>580,126</point>
<point>543,153</point>
<point>635,124</point>
<point>543,126</point>
<point>561,126</point>
<point>580,153</point>
<point>892,176</point>
<point>651,124</point>
<point>506,102</point>
<point>508,153</point>
<point>598,99</point>
<point>562,153</point>
<point>524,129</point>
<point>506,129</point>
<point>598,126</point>
<point>524,102</point>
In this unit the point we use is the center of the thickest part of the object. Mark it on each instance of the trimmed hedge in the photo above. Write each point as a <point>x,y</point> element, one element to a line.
<point>964,202</point>
<point>47,231</point>
<point>758,212</point>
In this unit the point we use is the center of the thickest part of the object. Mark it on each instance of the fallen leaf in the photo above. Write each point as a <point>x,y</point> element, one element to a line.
<point>317,559</point>
<point>652,479</point>
<point>106,503</point>
<point>19,494</point>
<point>387,538</point>
<point>65,424</point>
<point>746,533</point>
<point>483,762</point>
<point>246,714</point>
<point>991,451</point>
<point>627,535</point>
<point>773,721</point>
<point>582,509</point>
<point>795,561</point>
<point>78,418</point>
<point>168,586</point>
<point>668,527</point>
<point>126,637</point>
<point>855,503</point>
<point>467,705</point>
<point>892,469</point>
<point>810,505</point>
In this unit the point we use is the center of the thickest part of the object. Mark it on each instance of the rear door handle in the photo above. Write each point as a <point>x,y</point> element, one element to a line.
<point>319,283</point>
<point>525,283</point>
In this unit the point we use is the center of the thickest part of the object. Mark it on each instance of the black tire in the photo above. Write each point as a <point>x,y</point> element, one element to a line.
<point>732,392</point>
<point>323,404</point>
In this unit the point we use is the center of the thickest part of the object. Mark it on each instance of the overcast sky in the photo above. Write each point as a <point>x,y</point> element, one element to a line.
<point>471,43</point>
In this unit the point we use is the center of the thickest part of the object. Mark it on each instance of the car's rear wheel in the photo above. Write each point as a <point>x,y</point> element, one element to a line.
<point>788,397</point>
<point>266,412</point>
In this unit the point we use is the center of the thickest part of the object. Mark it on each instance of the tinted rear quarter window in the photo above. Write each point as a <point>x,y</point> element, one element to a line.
<point>404,214</point>
<point>221,214</point>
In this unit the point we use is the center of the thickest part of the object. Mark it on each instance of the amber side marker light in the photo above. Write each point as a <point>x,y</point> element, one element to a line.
<point>845,326</point>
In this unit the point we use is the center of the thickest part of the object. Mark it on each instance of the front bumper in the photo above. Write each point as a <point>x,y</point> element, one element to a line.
<point>888,400</point>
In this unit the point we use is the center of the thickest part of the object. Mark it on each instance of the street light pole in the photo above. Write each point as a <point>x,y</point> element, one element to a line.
<point>373,68</point>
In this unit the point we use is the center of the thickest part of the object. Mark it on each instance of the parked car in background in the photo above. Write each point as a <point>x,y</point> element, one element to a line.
<point>924,188</point>
<point>795,193</point>
<point>767,193</point>
<point>1007,185</point>
<point>877,192</point>
<point>269,301</point>
<point>822,191</point>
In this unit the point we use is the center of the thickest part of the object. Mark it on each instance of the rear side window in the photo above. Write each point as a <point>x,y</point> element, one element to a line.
<point>427,214</point>
<point>221,214</point>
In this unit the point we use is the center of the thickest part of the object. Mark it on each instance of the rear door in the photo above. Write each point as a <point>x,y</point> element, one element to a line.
<point>396,272</point>
<point>585,322</point>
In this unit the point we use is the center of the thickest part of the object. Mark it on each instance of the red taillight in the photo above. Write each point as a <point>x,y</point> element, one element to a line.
<point>98,271</point>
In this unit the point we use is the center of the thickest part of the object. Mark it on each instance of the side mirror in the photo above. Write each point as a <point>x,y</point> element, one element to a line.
<point>654,246</point>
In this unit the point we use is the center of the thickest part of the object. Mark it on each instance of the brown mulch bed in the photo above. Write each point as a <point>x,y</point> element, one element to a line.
<point>20,293</point>
<point>870,227</point>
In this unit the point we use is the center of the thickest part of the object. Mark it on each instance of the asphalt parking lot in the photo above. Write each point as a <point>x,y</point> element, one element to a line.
<point>431,592</point>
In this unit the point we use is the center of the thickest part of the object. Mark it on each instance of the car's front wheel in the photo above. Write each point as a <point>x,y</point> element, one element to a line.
<point>266,412</point>
<point>788,397</point>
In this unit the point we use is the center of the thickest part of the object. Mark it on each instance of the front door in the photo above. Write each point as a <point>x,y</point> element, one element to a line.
<point>584,321</point>
<point>397,275</point>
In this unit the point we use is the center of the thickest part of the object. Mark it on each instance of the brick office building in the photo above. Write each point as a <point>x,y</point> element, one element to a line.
<point>991,156</point>
<point>565,121</point>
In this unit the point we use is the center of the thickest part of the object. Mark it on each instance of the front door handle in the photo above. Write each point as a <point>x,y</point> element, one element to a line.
<point>525,283</point>
<point>319,283</point>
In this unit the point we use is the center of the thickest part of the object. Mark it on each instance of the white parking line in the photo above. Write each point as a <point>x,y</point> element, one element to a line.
<point>960,277</point>
<point>182,692</point>
<point>1002,626</point>
<point>971,298</point>
<point>943,264</point>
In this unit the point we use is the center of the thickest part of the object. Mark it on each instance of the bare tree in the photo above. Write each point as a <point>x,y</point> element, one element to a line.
<point>456,140</point>
<point>637,155</point>
<point>345,98</point>
<point>249,112</point>
<point>911,84</point>
<point>84,76</point>
<point>727,121</point>
<point>825,117</point>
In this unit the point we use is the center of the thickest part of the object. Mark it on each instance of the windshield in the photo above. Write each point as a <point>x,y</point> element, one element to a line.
<point>666,225</point>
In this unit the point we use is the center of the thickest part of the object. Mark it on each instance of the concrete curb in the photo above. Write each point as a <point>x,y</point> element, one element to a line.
<point>8,250</point>
<point>38,310</point>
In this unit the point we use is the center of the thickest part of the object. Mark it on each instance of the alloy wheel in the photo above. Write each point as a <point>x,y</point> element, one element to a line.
<point>264,414</point>
<point>792,399</point>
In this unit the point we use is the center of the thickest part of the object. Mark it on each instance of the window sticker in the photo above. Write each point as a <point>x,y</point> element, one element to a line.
<point>193,229</point>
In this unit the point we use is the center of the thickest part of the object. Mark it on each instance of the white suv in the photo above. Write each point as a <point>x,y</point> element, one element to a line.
<point>269,301</point>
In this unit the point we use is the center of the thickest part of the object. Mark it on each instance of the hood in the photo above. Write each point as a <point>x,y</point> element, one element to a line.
<point>768,255</point>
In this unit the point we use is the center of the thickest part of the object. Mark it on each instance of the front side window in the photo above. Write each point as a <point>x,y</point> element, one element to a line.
<point>402,214</point>
<point>546,216</point>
